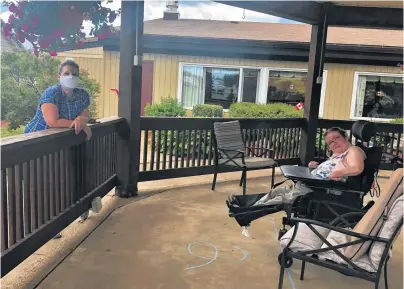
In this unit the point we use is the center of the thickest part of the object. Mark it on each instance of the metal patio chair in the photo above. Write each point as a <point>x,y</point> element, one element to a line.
<point>230,151</point>
<point>362,252</point>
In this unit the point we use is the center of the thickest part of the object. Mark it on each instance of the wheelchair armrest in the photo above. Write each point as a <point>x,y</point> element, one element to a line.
<point>329,184</point>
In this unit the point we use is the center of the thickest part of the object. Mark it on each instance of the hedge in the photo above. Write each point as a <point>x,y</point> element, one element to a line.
<point>272,110</point>
<point>397,120</point>
<point>187,140</point>
<point>168,107</point>
<point>207,110</point>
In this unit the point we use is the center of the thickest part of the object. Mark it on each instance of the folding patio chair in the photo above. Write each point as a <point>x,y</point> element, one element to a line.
<point>230,151</point>
<point>361,251</point>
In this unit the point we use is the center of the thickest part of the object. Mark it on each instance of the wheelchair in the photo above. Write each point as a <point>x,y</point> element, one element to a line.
<point>320,205</point>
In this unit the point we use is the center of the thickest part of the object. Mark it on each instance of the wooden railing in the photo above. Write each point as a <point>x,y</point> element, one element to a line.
<point>180,147</point>
<point>388,135</point>
<point>48,179</point>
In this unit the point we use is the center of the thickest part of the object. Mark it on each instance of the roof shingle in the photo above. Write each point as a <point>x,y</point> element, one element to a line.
<point>271,32</point>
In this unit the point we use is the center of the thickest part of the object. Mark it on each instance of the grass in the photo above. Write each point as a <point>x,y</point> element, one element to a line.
<point>6,132</point>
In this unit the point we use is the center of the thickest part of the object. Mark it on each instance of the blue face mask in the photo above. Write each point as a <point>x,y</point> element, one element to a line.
<point>69,81</point>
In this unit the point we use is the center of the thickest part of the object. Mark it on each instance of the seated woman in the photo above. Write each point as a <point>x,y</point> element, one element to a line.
<point>346,160</point>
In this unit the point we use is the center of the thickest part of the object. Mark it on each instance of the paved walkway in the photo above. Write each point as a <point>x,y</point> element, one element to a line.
<point>183,238</point>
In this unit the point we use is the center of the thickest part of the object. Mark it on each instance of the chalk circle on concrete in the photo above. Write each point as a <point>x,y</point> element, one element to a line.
<point>213,257</point>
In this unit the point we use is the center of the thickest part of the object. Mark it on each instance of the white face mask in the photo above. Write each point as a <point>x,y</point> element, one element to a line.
<point>69,81</point>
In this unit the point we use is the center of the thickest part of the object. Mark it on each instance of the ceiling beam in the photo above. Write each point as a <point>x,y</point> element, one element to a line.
<point>301,11</point>
<point>364,17</point>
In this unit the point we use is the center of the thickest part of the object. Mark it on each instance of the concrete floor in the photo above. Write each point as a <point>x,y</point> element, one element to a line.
<point>153,242</point>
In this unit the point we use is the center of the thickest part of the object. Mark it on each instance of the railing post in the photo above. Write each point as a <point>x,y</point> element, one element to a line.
<point>313,90</point>
<point>129,104</point>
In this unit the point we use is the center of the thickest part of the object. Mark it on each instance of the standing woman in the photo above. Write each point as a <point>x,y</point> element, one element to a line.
<point>63,105</point>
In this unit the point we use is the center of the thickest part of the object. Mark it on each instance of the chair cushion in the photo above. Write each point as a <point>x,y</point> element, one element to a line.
<point>337,238</point>
<point>394,217</point>
<point>305,238</point>
<point>371,223</point>
<point>250,162</point>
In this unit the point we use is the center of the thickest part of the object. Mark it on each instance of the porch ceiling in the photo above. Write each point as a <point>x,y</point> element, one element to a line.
<point>366,14</point>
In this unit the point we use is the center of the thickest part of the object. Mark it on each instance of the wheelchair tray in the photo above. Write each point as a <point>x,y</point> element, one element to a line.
<point>241,208</point>
<point>297,173</point>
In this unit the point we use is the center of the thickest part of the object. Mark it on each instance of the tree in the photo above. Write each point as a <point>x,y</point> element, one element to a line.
<point>24,77</point>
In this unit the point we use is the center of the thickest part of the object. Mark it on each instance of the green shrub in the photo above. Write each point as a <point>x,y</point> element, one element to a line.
<point>168,107</point>
<point>188,141</point>
<point>398,120</point>
<point>207,110</point>
<point>272,110</point>
<point>6,131</point>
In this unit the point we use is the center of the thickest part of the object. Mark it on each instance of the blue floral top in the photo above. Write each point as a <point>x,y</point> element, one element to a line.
<point>324,169</point>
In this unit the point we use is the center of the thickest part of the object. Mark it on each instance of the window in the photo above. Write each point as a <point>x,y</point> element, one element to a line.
<point>217,85</point>
<point>250,85</point>
<point>221,86</point>
<point>286,86</point>
<point>192,85</point>
<point>224,85</point>
<point>377,96</point>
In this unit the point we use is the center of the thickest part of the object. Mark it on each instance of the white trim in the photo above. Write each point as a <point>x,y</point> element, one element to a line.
<point>374,119</point>
<point>287,69</point>
<point>263,87</point>
<point>258,85</point>
<point>323,90</point>
<point>240,86</point>
<point>353,97</point>
<point>179,88</point>
<point>219,65</point>
<point>355,90</point>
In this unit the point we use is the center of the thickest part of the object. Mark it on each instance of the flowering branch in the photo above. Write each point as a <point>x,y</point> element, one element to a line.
<point>49,25</point>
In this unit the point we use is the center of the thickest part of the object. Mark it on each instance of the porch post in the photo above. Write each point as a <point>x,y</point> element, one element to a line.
<point>130,87</point>
<point>313,90</point>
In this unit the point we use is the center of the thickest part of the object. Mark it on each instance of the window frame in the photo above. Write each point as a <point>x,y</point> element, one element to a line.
<point>355,91</point>
<point>262,89</point>
<point>205,65</point>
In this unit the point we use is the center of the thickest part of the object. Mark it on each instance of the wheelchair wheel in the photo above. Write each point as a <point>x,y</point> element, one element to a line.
<point>288,263</point>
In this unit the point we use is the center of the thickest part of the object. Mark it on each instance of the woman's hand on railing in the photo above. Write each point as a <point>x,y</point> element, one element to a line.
<point>78,124</point>
<point>88,132</point>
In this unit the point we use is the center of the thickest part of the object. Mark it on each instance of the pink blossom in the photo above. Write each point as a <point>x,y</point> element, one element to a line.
<point>12,8</point>
<point>11,19</point>
<point>24,27</point>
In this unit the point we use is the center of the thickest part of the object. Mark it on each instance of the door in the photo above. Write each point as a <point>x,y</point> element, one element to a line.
<point>147,84</point>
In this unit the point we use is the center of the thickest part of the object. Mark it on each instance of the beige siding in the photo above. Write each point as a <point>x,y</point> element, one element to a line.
<point>339,84</point>
<point>109,103</point>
